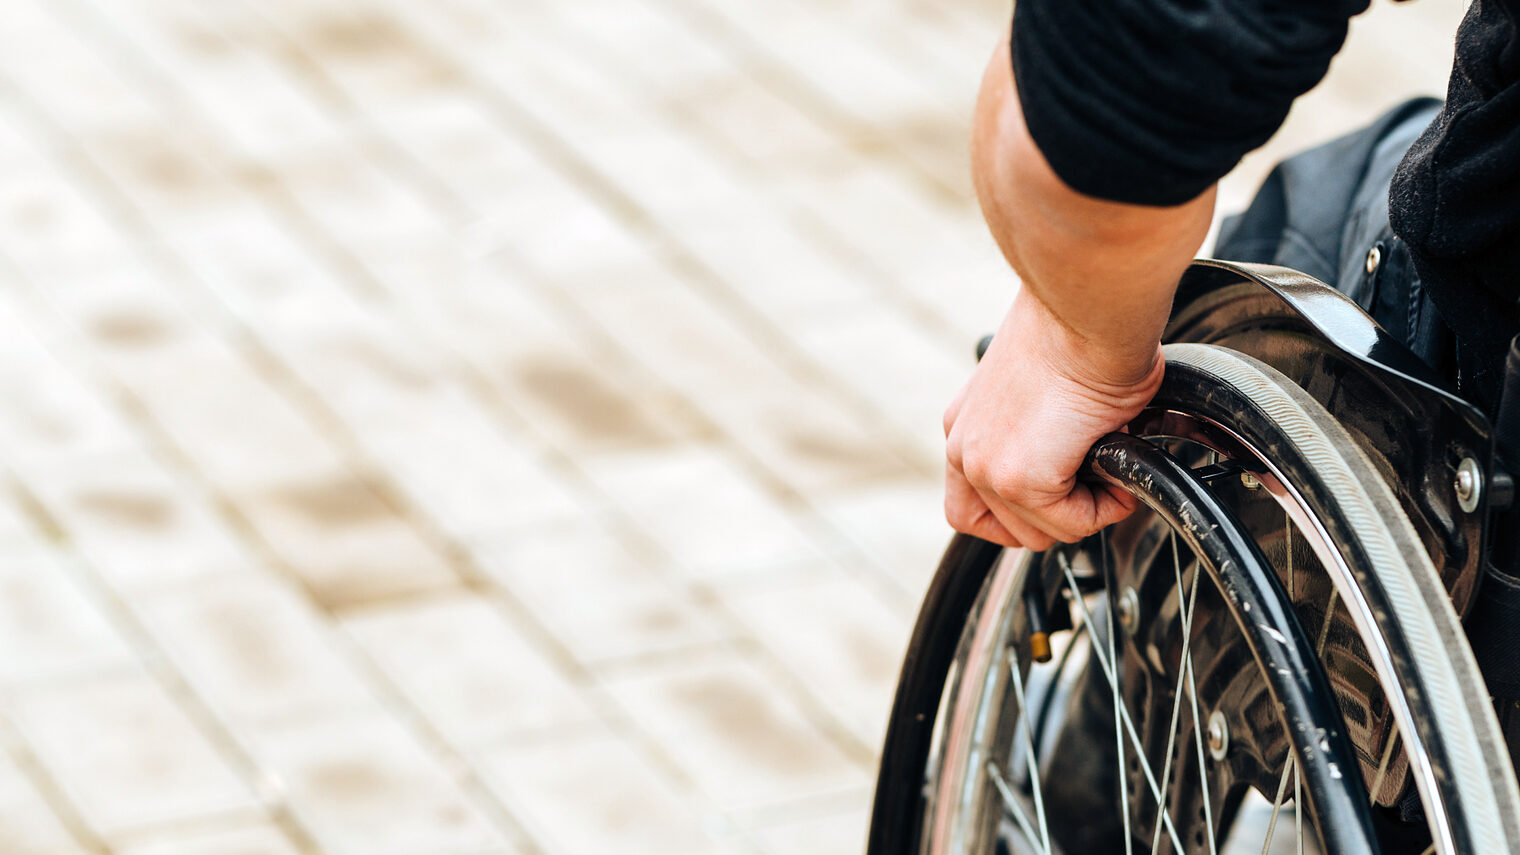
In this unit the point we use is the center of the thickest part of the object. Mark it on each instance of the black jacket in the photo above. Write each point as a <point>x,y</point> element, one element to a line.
<point>1151,101</point>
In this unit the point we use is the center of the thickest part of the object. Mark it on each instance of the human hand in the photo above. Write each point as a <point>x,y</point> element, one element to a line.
<point>1018,431</point>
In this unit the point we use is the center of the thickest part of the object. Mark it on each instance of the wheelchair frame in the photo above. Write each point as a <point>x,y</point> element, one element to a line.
<point>1434,450</point>
<point>1419,435</point>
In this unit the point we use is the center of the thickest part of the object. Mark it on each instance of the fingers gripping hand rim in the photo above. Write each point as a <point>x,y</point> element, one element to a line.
<point>1018,431</point>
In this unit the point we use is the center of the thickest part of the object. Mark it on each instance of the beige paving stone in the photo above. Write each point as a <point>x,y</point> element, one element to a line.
<point>742,739</point>
<point>136,522</point>
<point>557,226</point>
<point>751,119</point>
<point>474,676</point>
<point>908,374</point>
<point>51,414</point>
<point>255,840</point>
<point>236,429</point>
<point>268,119</point>
<point>464,294</point>
<point>176,180</point>
<point>51,624</point>
<point>460,468</point>
<point>663,319</point>
<point>887,214</point>
<point>669,173</point>
<point>454,135</point>
<point>83,84</point>
<point>704,513</point>
<point>51,228</point>
<point>901,527</point>
<point>27,824</point>
<point>593,405</point>
<point>255,650</point>
<point>122,316</point>
<point>832,833</point>
<point>352,200</point>
<point>621,28</point>
<point>364,786</point>
<point>452,458</point>
<point>594,792</point>
<point>345,542</point>
<point>16,524</point>
<point>834,634</point>
<point>856,79</point>
<point>605,598</point>
<point>809,440</point>
<point>771,266</point>
<point>367,48</point>
<point>125,754</point>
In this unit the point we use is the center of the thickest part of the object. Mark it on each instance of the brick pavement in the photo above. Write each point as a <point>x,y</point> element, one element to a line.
<point>474,427</point>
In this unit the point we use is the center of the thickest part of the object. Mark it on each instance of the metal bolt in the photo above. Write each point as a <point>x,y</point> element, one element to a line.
<point>1250,481</point>
<point>1374,258</point>
<point>1469,485</point>
<point>1129,610</point>
<point>1218,735</point>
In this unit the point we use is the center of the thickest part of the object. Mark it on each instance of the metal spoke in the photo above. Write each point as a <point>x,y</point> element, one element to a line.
<point>1288,533</point>
<point>1122,714</point>
<point>1324,628</point>
<point>1033,762</point>
<point>1192,689</point>
<point>1187,635</point>
<point>1012,803</point>
<point>1113,685</point>
<point>1377,782</point>
<point>1282,787</point>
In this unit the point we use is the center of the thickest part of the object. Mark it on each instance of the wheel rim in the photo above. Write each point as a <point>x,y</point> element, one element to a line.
<point>961,785</point>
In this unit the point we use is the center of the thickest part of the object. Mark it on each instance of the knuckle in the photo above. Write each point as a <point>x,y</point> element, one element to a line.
<point>1009,478</point>
<point>959,516</point>
<point>978,470</point>
<point>955,456</point>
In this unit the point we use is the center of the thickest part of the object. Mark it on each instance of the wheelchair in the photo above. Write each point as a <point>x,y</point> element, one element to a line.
<point>1267,657</point>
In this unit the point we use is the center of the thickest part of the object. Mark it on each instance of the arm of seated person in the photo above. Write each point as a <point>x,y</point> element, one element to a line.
<point>1077,356</point>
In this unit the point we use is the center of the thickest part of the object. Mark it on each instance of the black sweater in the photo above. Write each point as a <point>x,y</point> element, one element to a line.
<point>1151,101</point>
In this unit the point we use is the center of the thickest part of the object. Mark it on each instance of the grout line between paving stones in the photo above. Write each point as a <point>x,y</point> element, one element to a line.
<point>264,368</point>
<point>833,243</point>
<point>792,85</point>
<point>164,256</point>
<point>159,667</point>
<point>49,788</point>
<point>588,327</point>
<point>394,700</point>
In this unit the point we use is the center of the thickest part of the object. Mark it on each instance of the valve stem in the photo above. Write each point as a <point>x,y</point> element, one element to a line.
<point>1038,611</point>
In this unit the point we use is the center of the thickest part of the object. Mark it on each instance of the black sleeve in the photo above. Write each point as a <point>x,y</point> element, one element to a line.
<point>1151,101</point>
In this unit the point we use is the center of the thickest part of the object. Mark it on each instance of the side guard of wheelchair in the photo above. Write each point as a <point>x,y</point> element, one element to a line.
<point>1436,450</point>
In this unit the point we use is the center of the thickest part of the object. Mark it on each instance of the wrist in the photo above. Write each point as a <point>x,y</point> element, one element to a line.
<point>1113,361</point>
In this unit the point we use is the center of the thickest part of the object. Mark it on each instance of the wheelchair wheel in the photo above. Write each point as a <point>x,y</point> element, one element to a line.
<point>1263,657</point>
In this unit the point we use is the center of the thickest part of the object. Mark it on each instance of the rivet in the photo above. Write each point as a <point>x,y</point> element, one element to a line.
<point>1250,481</point>
<point>1218,735</point>
<point>1468,485</point>
<point>1129,610</point>
<point>1374,258</point>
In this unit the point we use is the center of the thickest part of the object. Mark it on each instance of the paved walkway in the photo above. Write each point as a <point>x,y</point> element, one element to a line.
<point>478,427</point>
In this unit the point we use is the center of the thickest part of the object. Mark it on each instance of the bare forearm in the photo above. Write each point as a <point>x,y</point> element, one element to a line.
<point>1105,270</point>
